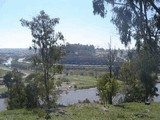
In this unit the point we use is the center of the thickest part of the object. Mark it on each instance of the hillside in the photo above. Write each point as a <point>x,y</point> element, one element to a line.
<point>75,54</point>
<point>87,111</point>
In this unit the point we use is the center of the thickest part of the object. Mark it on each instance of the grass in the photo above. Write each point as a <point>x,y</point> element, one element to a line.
<point>127,111</point>
<point>3,88</point>
<point>82,81</point>
<point>20,114</point>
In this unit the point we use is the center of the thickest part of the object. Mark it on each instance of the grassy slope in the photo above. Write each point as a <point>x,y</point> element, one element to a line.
<point>128,111</point>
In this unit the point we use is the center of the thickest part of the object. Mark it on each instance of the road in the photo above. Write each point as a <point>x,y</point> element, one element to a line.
<point>26,72</point>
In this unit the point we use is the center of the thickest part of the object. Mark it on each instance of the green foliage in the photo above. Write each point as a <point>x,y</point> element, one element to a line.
<point>28,95</point>
<point>16,91</point>
<point>107,86</point>
<point>7,79</point>
<point>58,83</point>
<point>133,19</point>
<point>35,82</point>
<point>132,86</point>
<point>139,76</point>
<point>32,99</point>
<point>147,64</point>
<point>58,69</point>
<point>64,79</point>
<point>48,48</point>
<point>60,80</point>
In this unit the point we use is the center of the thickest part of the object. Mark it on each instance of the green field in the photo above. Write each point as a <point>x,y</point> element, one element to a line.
<point>3,88</point>
<point>82,81</point>
<point>127,111</point>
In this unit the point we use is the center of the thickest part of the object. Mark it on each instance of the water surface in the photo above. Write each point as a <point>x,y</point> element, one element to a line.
<point>74,96</point>
<point>2,105</point>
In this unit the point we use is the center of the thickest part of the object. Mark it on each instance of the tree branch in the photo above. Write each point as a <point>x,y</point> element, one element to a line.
<point>154,6</point>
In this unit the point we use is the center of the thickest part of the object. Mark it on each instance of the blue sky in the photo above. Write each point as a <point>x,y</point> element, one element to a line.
<point>77,22</point>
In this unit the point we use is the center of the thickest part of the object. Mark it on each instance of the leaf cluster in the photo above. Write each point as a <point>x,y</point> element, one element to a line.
<point>133,20</point>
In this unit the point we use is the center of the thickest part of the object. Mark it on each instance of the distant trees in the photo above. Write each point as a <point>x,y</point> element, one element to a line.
<point>82,55</point>
<point>82,50</point>
<point>48,47</point>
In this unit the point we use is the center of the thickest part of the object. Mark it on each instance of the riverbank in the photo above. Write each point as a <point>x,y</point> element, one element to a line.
<point>128,111</point>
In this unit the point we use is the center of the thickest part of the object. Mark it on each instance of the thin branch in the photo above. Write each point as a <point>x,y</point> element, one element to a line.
<point>154,6</point>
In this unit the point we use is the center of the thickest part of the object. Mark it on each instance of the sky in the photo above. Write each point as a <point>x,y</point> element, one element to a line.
<point>78,24</point>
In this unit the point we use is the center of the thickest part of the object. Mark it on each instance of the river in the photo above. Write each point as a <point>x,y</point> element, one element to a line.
<point>157,99</point>
<point>2,105</point>
<point>8,62</point>
<point>74,96</point>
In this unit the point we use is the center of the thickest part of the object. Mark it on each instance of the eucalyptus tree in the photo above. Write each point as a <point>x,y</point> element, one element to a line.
<point>138,20</point>
<point>147,67</point>
<point>47,45</point>
<point>132,87</point>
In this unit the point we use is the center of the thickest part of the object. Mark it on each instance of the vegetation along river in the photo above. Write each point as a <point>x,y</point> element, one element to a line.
<point>74,96</point>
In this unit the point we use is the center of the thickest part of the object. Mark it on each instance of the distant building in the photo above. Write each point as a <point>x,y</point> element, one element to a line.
<point>101,52</point>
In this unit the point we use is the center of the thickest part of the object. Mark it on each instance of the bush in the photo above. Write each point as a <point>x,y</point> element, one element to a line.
<point>107,87</point>
<point>31,97</point>
<point>16,91</point>
<point>40,112</point>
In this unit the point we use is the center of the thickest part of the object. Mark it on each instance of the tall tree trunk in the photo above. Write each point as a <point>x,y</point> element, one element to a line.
<point>46,89</point>
<point>110,98</point>
<point>46,83</point>
<point>110,72</point>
